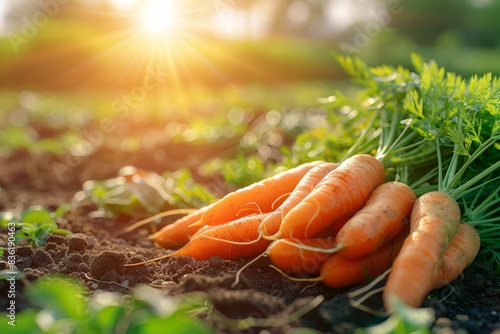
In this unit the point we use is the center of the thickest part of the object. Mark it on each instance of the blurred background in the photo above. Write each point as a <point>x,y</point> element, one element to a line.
<point>110,44</point>
<point>82,76</point>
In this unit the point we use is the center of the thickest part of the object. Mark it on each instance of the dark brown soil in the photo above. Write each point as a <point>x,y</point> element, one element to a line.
<point>95,255</point>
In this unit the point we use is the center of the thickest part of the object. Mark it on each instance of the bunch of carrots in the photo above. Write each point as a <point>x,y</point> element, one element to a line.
<point>341,221</point>
<point>346,223</point>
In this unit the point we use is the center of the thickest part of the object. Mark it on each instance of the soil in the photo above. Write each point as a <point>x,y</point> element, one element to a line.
<point>93,254</point>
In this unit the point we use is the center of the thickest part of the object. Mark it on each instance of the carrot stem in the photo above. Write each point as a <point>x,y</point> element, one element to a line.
<point>361,139</point>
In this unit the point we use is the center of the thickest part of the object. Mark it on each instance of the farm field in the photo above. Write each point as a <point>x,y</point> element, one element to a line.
<point>154,155</point>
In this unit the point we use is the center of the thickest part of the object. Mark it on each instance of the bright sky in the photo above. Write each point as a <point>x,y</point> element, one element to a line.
<point>123,4</point>
<point>158,17</point>
<point>3,11</point>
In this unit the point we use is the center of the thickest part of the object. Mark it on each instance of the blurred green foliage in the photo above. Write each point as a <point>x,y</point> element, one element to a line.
<point>35,224</point>
<point>59,304</point>
<point>77,41</point>
<point>141,193</point>
<point>404,320</point>
<point>474,22</point>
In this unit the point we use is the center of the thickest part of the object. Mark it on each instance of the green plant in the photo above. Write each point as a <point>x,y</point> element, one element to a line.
<point>436,131</point>
<point>14,138</point>
<point>59,304</point>
<point>433,130</point>
<point>140,193</point>
<point>240,172</point>
<point>34,224</point>
<point>404,320</point>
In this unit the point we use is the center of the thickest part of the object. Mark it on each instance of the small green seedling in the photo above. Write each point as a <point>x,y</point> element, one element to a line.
<point>140,193</point>
<point>404,320</point>
<point>34,224</point>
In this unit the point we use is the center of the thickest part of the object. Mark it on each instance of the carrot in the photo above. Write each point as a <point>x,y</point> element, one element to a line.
<point>271,224</point>
<point>460,253</point>
<point>340,193</point>
<point>334,228</point>
<point>263,194</point>
<point>237,239</point>
<point>305,256</point>
<point>288,255</point>
<point>337,271</point>
<point>177,234</point>
<point>380,220</point>
<point>434,220</point>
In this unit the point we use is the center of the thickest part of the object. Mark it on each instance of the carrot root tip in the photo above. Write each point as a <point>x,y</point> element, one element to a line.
<point>238,273</point>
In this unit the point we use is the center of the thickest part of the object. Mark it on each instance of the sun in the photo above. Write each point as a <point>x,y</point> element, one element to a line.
<point>158,18</point>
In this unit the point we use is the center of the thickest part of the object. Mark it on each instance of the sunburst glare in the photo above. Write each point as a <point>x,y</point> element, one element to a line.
<point>158,17</point>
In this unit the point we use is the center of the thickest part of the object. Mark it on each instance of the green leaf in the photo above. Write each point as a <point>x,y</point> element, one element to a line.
<point>5,219</point>
<point>62,297</point>
<point>25,322</point>
<point>414,318</point>
<point>41,235</point>
<point>178,325</point>
<point>29,229</point>
<point>417,61</point>
<point>106,319</point>
<point>37,215</point>
<point>61,210</point>
<point>404,320</point>
<point>166,306</point>
<point>140,193</point>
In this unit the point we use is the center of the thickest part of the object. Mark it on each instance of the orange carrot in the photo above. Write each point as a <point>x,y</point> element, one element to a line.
<point>271,224</point>
<point>237,239</point>
<point>333,229</point>
<point>340,193</point>
<point>305,256</point>
<point>287,255</point>
<point>177,234</point>
<point>460,253</point>
<point>338,271</point>
<point>434,220</point>
<point>262,194</point>
<point>379,221</point>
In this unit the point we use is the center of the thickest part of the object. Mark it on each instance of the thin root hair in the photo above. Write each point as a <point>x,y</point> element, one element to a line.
<point>311,248</point>
<point>152,219</point>
<point>448,294</point>
<point>297,279</point>
<point>368,291</point>
<point>370,285</point>
<point>313,217</point>
<point>273,205</point>
<point>238,273</point>
<point>231,241</point>
<point>358,304</point>
<point>257,208</point>
<point>148,261</point>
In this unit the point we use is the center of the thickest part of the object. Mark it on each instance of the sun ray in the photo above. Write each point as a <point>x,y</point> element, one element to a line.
<point>121,57</point>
